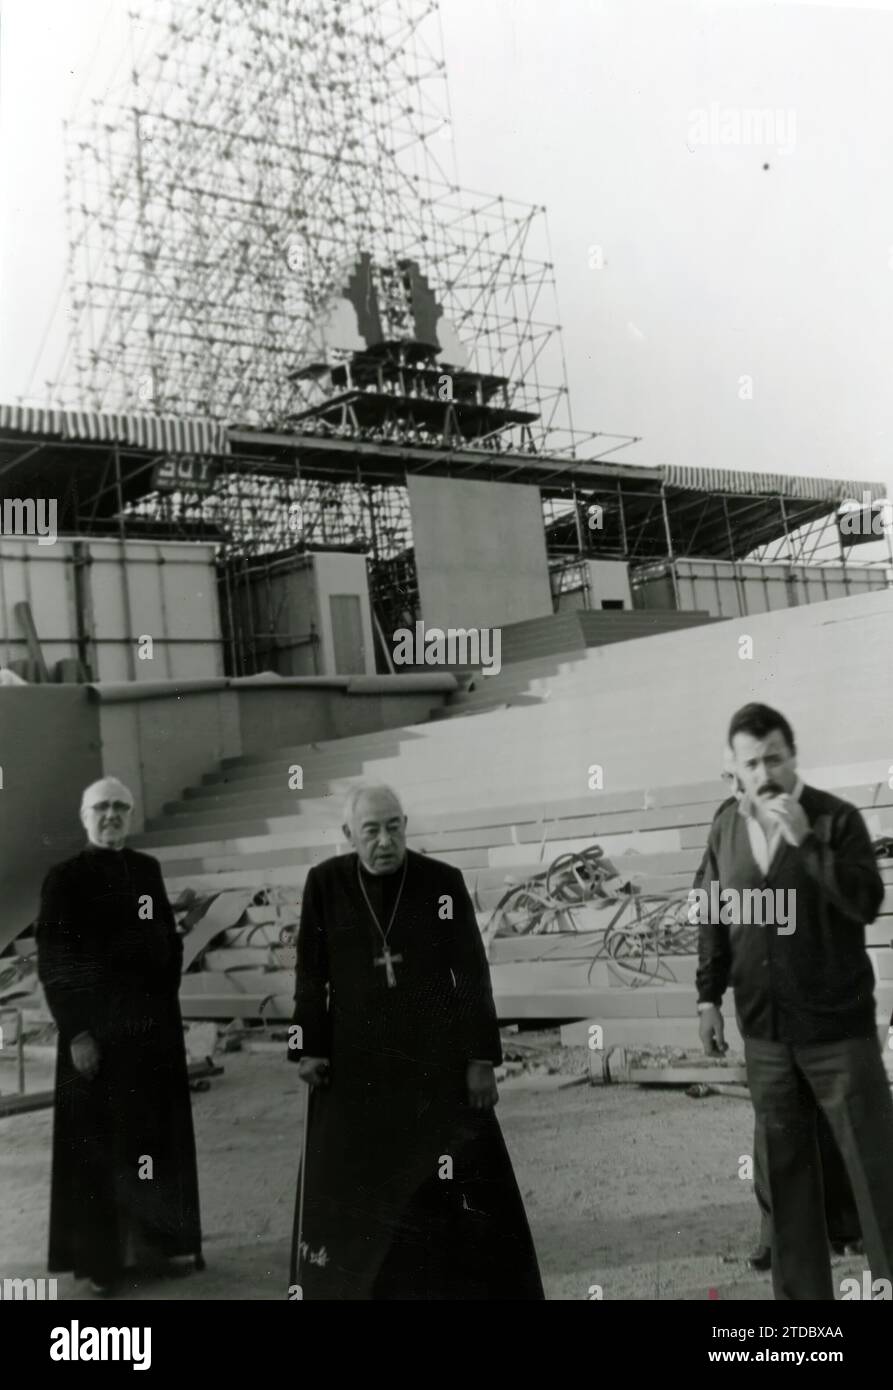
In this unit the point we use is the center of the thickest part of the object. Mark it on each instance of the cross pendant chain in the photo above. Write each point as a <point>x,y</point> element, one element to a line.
<point>387,960</point>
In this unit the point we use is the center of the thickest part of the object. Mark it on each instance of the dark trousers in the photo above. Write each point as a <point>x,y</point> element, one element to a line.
<point>789,1083</point>
<point>841,1216</point>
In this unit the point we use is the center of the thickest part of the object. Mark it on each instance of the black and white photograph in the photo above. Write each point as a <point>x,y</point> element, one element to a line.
<point>446,659</point>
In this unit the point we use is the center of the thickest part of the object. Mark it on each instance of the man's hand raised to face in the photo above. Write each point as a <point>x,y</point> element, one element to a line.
<point>481,1083</point>
<point>790,818</point>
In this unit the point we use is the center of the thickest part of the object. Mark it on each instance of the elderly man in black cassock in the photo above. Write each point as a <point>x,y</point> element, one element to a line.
<point>124,1185</point>
<point>409,1191</point>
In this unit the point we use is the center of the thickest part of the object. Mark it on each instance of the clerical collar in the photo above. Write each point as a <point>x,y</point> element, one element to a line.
<point>103,849</point>
<point>389,873</point>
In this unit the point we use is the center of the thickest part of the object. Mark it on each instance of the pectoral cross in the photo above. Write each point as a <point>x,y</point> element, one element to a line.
<point>387,959</point>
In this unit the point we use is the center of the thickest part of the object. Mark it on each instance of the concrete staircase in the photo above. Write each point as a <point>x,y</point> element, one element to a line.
<point>542,647</point>
<point>646,714</point>
<point>579,628</point>
<point>655,840</point>
<point>502,794</point>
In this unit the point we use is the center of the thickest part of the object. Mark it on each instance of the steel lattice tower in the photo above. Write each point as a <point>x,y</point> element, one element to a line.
<point>255,149</point>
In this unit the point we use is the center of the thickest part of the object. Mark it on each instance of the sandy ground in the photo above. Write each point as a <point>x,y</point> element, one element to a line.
<point>634,1190</point>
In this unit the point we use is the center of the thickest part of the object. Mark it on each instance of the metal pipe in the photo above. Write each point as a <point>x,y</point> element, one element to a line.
<point>582,546</point>
<point>784,523</point>
<point>622,521</point>
<point>20,1050</point>
<point>125,578</point>
<point>739,583</point>
<point>669,535</point>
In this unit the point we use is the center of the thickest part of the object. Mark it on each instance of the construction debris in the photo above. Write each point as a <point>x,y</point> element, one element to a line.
<point>664,1067</point>
<point>571,897</point>
<point>538,1053</point>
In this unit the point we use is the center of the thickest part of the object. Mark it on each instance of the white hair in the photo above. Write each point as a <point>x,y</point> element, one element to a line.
<point>362,789</point>
<point>113,784</point>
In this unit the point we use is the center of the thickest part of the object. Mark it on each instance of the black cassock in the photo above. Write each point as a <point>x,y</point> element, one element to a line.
<point>409,1192</point>
<point>109,972</point>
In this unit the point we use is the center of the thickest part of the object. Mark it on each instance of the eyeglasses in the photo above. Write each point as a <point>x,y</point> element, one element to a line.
<point>119,806</point>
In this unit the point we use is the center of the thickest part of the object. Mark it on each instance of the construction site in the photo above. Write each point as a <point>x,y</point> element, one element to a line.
<point>314,394</point>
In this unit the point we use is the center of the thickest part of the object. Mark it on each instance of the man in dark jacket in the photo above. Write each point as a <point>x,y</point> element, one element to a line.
<point>841,1216</point>
<point>804,995</point>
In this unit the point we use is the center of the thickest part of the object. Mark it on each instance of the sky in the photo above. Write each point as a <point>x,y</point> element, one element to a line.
<point>731,315</point>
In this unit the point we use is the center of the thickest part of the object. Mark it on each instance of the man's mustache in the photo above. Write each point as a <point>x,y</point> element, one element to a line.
<point>772,787</point>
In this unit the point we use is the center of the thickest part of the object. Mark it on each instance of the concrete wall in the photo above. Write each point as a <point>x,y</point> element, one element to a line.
<point>339,573</point>
<point>277,718</point>
<point>291,597</point>
<point>727,589</point>
<point>163,589</point>
<point>56,739</point>
<point>480,552</point>
<point>273,611</point>
<point>49,751</point>
<point>161,742</point>
<point>608,579</point>
<point>158,746</point>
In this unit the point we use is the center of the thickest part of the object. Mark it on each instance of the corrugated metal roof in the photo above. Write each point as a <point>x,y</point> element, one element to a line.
<point>31,419</point>
<point>714,480</point>
<point>169,434</point>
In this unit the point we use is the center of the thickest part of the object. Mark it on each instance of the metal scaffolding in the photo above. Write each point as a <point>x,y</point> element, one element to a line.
<point>255,150</point>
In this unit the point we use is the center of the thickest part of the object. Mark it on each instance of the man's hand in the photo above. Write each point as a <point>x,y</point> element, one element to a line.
<point>481,1083</point>
<point>790,818</point>
<point>712,1032</point>
<point>85,1056</point>
<point>314,1070</point>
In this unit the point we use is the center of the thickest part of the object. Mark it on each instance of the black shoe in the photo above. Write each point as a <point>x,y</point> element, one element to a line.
<point>169,1266</point>
<point>761,1258</point>
<point>846,1245</point>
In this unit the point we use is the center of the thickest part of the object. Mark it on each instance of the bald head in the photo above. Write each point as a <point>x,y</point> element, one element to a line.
<point>375,825</point>
<point>106,808</point>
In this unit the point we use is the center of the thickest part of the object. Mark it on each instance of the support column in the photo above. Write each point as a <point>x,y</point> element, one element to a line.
<point>669,536</point>
<point>622,520</point>
<point>739,587</point>
<point>581,539</point>
<point>125,578</point>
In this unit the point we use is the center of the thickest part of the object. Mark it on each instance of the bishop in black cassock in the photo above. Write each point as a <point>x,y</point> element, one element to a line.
<point>409,1191</point>
<point>109,959</point>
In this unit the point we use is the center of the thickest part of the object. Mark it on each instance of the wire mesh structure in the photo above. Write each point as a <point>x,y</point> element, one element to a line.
<point>218,196</point>
<point>582,893</point>
<point>249,514</point>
